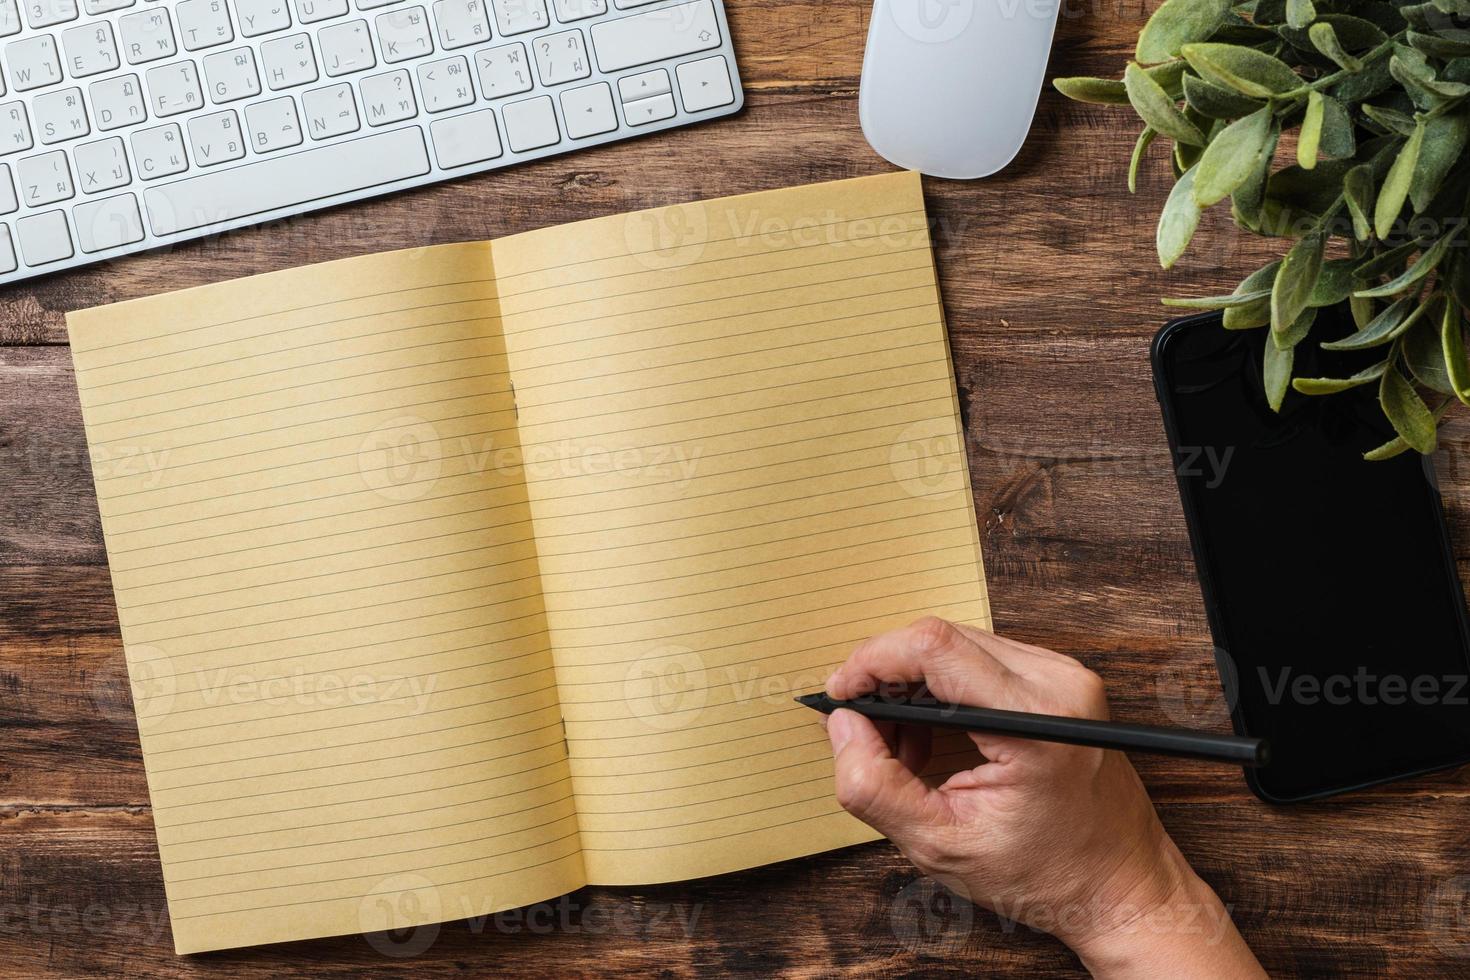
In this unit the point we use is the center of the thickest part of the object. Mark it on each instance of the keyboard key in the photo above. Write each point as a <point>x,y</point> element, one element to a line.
<point>215,138</point>
<point>373,4</point>
<point>649,110</point>
<point>330,111</point>
<point>531,124</point>
<point>44,178</point>
<point>346,48</point>
<point>159,152</point>
<point>203,23</point>
<point>656,35</point>
<point>503,70</point>
<point>174,88</point>
<point>312,11</point>
<point>44,238</point>
<point>7,251</point>
<point>461,22</point>
<point>10,17</point>
<point>89,49</point>
<point>60,115</point>
<point>644,84</point>
<point>403,33</point>
<point>15,128</point>
<point>520,16</point>
<point>44,13</point>
<point>117,101</point>
<point>570,10</point>
<point>273,125</point>
<point>589,110</point>
<point>388,97</point>
<point>101,6</point>
<point>293,181</point>
<point>288,61</point>
<point>102,165</point>
<point>231,75</point>
<point>33,62</point>
<point>561,57</point>
<point>446,84</point>
<point>147,35</point>
<point>259,17</point>
<point>108,223</point>
<point>8,201</point>
<point>705,84</point>
<point>470,138</point>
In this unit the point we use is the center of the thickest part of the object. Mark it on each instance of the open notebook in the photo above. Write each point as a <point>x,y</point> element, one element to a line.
<point>456,578</point>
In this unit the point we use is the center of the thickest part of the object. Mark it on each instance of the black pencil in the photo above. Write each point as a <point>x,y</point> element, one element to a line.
<point>1054,728</point>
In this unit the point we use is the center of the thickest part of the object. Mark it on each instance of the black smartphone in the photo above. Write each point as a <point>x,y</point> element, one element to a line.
<point>1339,622</point>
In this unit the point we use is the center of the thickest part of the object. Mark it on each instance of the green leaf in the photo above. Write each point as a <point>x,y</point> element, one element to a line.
<point>1154,107</point>
<point>1176,23</point>
<point>1424,353</point>
<point>1386,326</point>
<point>1357,191</point>
<point>1334,283</point>
<point>1246,202</point>
<point>1217,302</point>
<point>1444,139</point>
<point>1362,310</point>
<point>1406,411</point>
<point>1372,80</point>
<point>1395,189</point>
<point>1098,91</point>
<point>1256,313</point>
<point>1337,130</point>
<point>1209,99</point>
<point>1300,13</point>
<point>1415,76</point>
<point>1296,278</point>
<point>1246,70</point>
<point>1386,262</point>
<point>1297,332</point>
<point>1391,120</point>
<point>1324,39</point>
<point>1178,221</point>
<point>1393,447</point>
<point>1331,386</point>
<point>1276,372</point>
<point>1170,76</point>
<point>1422,267</point>
<point>1310,136</point>
<point>1440,46</point>
<point>1230,158</point>
<point>1452,342</point>
<point>1145,139</point>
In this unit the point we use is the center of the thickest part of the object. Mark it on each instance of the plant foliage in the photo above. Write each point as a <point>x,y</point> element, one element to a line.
<point>1373,198</point>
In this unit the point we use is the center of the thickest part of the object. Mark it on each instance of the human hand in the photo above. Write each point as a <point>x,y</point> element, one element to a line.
<point>1061,837</point>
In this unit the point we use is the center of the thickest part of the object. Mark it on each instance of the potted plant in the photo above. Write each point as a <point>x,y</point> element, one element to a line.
<point>1340,126</point>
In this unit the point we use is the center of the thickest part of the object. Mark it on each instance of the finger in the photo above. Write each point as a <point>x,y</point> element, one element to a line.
<point>953,666</point>
<point>871,783</point>
<point>1012,653</point>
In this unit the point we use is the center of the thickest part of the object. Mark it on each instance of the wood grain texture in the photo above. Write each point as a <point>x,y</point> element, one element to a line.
<point>1050,288</point>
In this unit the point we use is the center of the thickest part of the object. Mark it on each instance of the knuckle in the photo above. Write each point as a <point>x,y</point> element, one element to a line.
<point>1090,689</point>
<point>856,790</point>
<point>930,634</point>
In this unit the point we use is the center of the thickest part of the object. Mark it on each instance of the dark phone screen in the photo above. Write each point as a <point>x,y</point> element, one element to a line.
<point>1335,598</point>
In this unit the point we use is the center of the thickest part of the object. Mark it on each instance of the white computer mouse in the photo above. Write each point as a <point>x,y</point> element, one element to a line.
<point>950,86</point>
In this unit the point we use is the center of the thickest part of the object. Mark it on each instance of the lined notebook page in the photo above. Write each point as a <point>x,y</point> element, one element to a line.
<point>326,579</point>
<point>743,457</point>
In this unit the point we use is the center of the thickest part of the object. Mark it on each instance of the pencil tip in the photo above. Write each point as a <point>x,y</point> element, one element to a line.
<point>809,700</point>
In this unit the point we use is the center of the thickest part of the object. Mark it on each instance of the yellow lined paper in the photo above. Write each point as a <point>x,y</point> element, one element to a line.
<point>388,521</point>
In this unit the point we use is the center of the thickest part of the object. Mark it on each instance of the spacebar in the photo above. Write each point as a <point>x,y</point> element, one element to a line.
<point>289,181</point>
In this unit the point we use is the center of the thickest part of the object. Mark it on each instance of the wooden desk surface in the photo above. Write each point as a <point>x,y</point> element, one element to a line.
<point>1051,290</point>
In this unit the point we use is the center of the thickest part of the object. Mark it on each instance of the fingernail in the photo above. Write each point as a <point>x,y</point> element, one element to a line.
<point>839,729</point>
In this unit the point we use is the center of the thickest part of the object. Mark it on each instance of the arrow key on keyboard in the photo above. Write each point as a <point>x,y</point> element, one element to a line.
<point>652,109</point>
<point>589,111</point>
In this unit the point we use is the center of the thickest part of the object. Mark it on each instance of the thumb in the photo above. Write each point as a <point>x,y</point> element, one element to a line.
<point>872,785</point>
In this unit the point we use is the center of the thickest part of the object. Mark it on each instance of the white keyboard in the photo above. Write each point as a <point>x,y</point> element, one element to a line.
<point>130,124</point>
